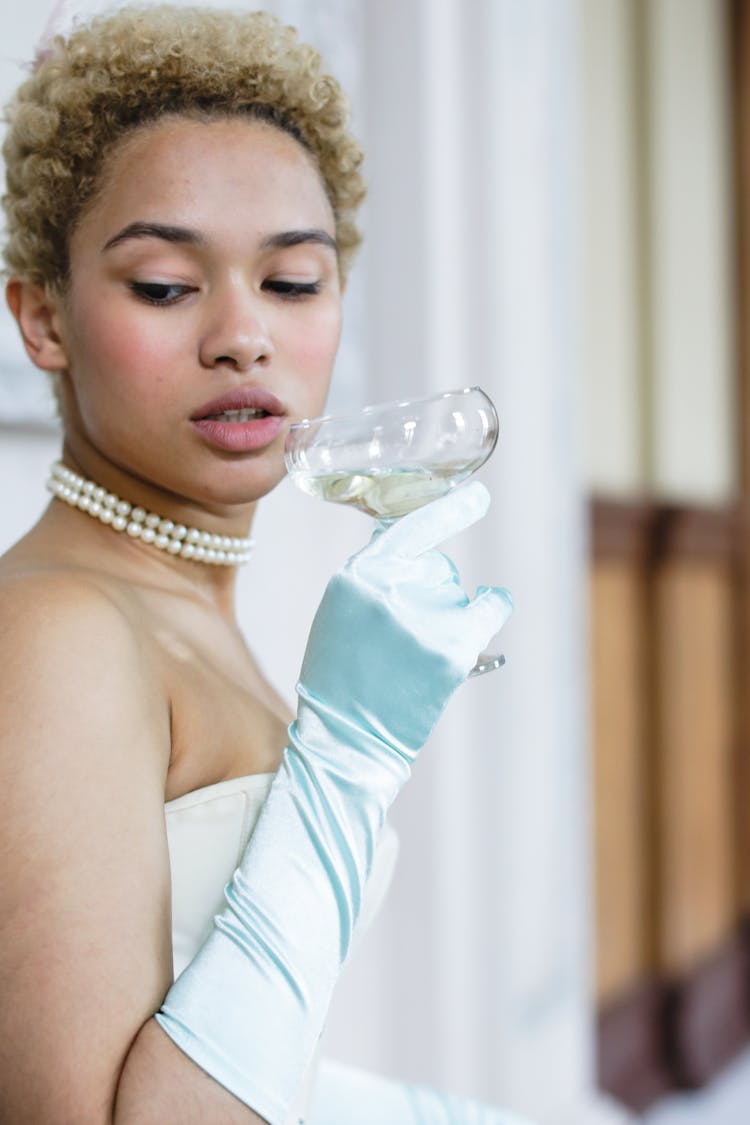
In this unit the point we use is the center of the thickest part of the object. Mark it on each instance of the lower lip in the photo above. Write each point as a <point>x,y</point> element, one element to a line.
<point>240,437</point>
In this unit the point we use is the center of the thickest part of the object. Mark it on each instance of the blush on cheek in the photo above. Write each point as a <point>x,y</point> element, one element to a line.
<point>116,347</point>
<point>318,341</point>
<point>315,359</point>
<point>316,351</point>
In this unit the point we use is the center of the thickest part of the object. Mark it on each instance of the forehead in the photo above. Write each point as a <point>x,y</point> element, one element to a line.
<point>214,176</point>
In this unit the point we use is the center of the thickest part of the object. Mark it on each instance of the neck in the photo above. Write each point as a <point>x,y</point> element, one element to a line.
<point>204,556</point>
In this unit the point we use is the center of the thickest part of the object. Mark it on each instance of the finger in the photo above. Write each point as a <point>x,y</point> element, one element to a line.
<point>423,529</point>
<point>489,611</point>
<point>431,570</point>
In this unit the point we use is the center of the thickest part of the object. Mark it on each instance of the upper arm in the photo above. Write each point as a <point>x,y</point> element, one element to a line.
<point>85,953</point>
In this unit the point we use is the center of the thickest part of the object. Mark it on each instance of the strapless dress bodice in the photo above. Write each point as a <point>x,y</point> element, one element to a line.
<point>207,831</point>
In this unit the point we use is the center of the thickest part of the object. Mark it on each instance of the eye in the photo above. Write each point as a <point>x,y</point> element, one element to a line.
<point>292,290</point>
<point>159,292</point>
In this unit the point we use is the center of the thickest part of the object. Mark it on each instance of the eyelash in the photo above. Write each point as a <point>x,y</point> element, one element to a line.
<point>157,293</point>
<point>293,290</point>
<point>150,291</point>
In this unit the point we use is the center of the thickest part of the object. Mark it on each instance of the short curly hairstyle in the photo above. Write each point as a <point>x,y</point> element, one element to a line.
<point>129,68</point>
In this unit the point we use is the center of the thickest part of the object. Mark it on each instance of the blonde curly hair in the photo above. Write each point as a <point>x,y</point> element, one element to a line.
<point>126,69</point>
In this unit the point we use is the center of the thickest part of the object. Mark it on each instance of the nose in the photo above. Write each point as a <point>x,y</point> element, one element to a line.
<point>236,331</point>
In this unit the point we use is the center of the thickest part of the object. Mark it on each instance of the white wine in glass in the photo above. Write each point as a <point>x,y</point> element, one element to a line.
<point>391,458</point>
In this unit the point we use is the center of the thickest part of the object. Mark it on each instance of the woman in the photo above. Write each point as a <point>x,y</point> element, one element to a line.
<point>180,207</point>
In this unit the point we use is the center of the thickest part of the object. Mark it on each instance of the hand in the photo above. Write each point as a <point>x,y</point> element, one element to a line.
<point>395,633</point>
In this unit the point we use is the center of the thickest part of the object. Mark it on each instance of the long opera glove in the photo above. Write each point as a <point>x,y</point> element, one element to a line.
<point>346,1095</point>
<point>393,638</point>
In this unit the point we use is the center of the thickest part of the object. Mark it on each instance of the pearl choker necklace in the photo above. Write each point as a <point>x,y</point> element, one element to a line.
<point>175,539</point>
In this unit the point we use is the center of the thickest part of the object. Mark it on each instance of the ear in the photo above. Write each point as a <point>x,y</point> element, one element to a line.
<point>39,320</point>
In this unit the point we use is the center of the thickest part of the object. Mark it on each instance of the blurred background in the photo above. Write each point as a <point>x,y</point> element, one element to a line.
<point>559,211</point>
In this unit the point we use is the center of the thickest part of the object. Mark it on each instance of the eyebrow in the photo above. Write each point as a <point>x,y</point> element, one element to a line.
<point>297,238</point>
<point>164,231</point>
<point>186,236</point>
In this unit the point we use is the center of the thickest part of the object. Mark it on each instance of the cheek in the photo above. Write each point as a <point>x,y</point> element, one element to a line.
<point>122,349</point>
<point>316,346</point>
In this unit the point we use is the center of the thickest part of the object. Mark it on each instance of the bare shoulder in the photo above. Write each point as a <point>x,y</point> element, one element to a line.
<point>65,637</point>
<point>49,597</point>
<point>77,683</point>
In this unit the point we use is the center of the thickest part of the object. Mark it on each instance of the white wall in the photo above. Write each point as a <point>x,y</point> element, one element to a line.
<point>659,359</point>
<point>615,434</point>
<point>690,232</point>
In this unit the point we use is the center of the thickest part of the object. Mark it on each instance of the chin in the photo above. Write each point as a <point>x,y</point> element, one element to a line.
<point>247,487</point>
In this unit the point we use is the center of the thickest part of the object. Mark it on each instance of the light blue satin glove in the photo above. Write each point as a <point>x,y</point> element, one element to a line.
<point>393,638</point>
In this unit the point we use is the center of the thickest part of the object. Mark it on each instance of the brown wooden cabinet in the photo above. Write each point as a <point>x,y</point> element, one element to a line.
<point>666,599</point>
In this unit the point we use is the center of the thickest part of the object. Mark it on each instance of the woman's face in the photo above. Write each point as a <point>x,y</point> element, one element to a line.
<point>204,282</point>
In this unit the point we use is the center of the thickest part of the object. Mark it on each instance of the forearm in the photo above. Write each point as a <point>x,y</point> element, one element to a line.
<point>159,1085</point>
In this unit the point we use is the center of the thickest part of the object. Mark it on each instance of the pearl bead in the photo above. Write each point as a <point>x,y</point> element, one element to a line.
<point>189,543</point>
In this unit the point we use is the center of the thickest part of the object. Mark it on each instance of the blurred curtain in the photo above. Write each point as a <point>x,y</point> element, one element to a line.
<point>478,975</point>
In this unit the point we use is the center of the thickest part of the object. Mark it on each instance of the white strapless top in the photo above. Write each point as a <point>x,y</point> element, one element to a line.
<point>207,831</point>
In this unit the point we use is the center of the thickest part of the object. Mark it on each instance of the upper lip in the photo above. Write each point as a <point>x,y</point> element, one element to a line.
<point>241,398</point>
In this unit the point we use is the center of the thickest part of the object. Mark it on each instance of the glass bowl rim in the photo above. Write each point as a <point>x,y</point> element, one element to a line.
<point>375,407</point>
